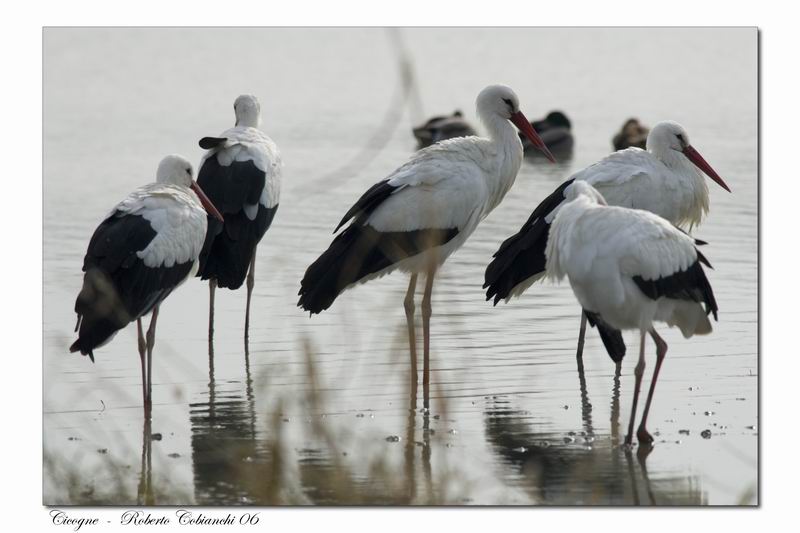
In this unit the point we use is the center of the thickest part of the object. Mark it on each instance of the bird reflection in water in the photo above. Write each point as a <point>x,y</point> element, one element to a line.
<point>578,469</point>
<point>226,453</point>
<point>145,494</point>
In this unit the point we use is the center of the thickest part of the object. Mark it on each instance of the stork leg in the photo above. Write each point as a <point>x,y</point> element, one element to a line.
<point>581,338</point>
<point>638,372</point>
<point>661,352</point>
<point>212,285</point>
<point>427,310</point>
<point>408,303</point>
<point>142,352</point>
<point>251,282</point>
<point>151,342</point>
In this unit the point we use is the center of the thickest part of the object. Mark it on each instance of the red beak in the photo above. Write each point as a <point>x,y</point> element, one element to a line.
<point>519,120</point>
<point>695,157</point>
<point>207,205</point>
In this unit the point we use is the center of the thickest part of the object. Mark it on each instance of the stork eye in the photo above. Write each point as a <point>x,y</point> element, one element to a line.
<point>509,103</point>
<point>680,138</point>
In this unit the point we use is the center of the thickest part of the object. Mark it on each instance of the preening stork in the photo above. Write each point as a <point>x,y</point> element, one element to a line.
<point>424,211</point>
<point>241,173</point>
<point>628,269</point>
<point>145,247</point>
<point>664,180</point>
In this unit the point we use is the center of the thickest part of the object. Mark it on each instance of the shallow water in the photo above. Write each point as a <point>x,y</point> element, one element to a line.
<point>319,410</point>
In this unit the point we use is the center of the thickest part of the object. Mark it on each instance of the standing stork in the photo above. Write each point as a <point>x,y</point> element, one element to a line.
<point>241,172</point>
<point>664,179</point>
<point>630,268</point>
<point>424,211</point>
<point>145,247</point>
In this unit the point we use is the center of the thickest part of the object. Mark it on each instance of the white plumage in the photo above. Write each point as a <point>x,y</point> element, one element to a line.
<point>176,215</point>
<point>665,179</point>
<point>146,247</point>
<point>248,143</point>
<point>629,268</point>
<point>661,179</point>
<point>425,210</point>
<point>241,171</point>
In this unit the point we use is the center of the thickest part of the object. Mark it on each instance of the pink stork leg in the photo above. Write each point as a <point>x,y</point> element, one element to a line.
<point>581,338</point>
<point>251,282</point>
<point>427,311</point>
<point>408,303</point>
<point>151,342</point>
<point>212,285</point>
<point>638,372</point>
<point>661,352</point>
<point>142,353</point>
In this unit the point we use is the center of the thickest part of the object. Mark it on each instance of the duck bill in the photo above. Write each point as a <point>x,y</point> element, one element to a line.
<point>522,123</point>
<point>695,157</point>
<point>207,205</point>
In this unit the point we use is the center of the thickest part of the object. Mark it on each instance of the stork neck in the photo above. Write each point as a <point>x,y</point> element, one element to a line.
<point>508,150</point>
<point>247,120</point>
<point>693,202</point>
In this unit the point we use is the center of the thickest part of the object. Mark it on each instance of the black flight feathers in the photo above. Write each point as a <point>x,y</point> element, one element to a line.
<point>369,201</point>
<point>522,255</point>
<point>690,284</point>
<point>208,143</point>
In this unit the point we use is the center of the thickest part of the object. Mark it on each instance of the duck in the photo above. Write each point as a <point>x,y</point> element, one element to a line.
<point>442,127</point>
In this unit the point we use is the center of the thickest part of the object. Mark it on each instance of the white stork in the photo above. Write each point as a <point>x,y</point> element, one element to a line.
<point>664,179</point>
<point>424,211</point>
<point>629,268</point>
<point>145,247</point>
<point>241,173</point>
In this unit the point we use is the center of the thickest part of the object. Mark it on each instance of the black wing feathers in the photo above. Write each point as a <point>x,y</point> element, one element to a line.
<point>358,252</point>
<point>118,287</point>
<point>229,247</point>
<point>369,201</point>
<point>690,284</point>
<point>209,143</point>
<point>612,338</point>
<point>522,255</point>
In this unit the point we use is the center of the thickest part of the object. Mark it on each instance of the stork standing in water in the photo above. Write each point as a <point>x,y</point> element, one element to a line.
<point>147,245</point>
<point>241,173</point>
<point>424,211</point>
<point>664,180</point>
<point>630,268</point>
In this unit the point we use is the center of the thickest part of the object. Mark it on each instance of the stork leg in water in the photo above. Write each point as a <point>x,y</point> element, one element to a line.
<point>151,342</point>
<point>581,338</point>
<point>142,355</point>
<point>408,303</point>
<point>427,310</point>
<point>212,285</point>
<point>251,282</point>
<point>638,372</point>
<point>661,351</point>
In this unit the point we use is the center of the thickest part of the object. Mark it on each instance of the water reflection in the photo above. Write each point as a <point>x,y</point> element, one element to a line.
<point>227,454</point>
<point>582,468</point>
<point>225,438</point>
<point>145,493</point>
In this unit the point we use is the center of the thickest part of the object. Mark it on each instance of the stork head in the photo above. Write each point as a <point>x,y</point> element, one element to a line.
<point>177,170</point>
<point>247,110</point>
<point>669,136</point>
<point>501,101</point>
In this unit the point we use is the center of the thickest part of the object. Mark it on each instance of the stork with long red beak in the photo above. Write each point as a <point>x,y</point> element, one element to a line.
<point>145,247</point>
<point>665,179</point>
<point>423,212</point>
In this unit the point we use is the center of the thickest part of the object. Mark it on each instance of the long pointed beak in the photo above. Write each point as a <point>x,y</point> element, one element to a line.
<point>695,157</point>
<point>207,205</point>
<point>519,120</point>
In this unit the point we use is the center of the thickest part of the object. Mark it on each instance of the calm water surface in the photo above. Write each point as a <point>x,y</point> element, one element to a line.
<point>319,410</point>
